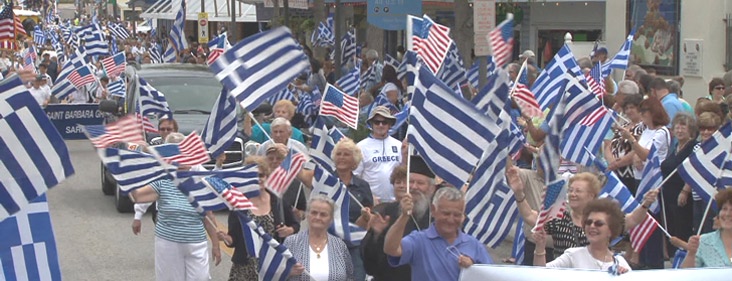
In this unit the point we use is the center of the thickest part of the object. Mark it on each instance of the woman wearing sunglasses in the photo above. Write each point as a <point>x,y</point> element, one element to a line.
<point>569,231</point>
<point>716,90</point>
<point>602,221</point>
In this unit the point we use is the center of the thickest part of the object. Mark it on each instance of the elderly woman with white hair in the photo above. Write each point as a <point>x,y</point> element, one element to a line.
<point>281,132</point>
<point>181,250</point>
<point>320,255</point>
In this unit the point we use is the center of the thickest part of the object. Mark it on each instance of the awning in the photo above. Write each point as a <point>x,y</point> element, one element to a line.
<point>218,10</point>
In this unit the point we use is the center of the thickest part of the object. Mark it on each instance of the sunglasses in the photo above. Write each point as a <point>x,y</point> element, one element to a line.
<point>706,128</point>
<point>597,223</point>
<point>719,88</point>
<point>165,129</point>
<point>380,122</point>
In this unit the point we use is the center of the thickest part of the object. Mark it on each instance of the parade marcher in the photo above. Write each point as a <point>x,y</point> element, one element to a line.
<point>324,256</point>
<point>621,159</point>
<point>281,109</point>
<point>281,130</point>
<point>602,222</point>
<point>41,94</point>
<point>381,154</point>
<point>181,249</point>
<point>422,187</point>
<point>440,251</point>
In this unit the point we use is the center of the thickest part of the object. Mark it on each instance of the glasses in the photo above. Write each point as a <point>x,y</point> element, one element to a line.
<point>707,128</point>
<point>380,122</point>
<point>597,223</point>
<point>165,129</point>
<point>719,88</point>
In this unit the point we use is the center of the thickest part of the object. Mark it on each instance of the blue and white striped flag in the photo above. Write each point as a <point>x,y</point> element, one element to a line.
<point>151,101</point>
<point>33,156</point>
<point>368,77</point>
<point>28,247</point>
<point>118,30</point>
<point>306,106</point>
<point>202,191</point>
<point>401,119</point>
<point>703,169</point>
<point>490,220</point>
<point>408,70</point>
<point>114,47</point>
<point>133,169</point>
<point>220,129</point>
<point>118,88</point>
<point>493,98</point>
<point>621,59</point>
<point>381,100</point>
<point>517,140</point>
<point>350,82</point>
<point>326,184</point>
<point>452,72</point>
<point>63,88</point>
<point>615,189</point>
<point>578,137</point>
<point>391,61</point>
<point>260,65</point>
<point>323,142</point>
<point>519,242</point>
<point>472,73</point>
<point>170,54</point>
<point>155,55</point>
<point>94,41</point>
<point>548,85</point>
<point>275,260</point>
<point>448,131</point>
<point>39,37</point>
<point>651,178</point>
<point>348,47</point>
<point>285,94</point>
<point>324,36</point>
<point>177,35</point>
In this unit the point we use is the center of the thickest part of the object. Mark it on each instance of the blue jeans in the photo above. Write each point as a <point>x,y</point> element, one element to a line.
<point>359,273</point>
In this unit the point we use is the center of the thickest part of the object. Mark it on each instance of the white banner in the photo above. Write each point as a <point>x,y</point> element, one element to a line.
<point>531,273</point>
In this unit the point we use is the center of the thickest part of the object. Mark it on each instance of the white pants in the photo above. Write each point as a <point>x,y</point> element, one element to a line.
<point>181,261</point>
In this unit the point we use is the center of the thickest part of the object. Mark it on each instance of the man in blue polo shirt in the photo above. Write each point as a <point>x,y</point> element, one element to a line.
<point>438,252</point>
<point>670,101</point>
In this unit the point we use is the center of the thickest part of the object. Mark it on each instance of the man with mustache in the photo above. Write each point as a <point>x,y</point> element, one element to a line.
<point>422,187</point>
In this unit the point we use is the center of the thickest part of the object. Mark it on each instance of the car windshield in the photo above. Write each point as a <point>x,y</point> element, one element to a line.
<point>188,94</point>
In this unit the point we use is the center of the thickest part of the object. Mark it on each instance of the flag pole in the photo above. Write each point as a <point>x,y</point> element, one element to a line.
<point>259,125</point>
<point>409,164</point>
<point>297,198</point>
<point>518,76</point>
<point>706,212</point>
<point>660,227</point>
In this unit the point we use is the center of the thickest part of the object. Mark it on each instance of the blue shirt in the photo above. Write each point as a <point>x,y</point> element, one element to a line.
<point>177,221</point>
<point>428,254</point>
<point>672,105</point>
<point>260,137</point>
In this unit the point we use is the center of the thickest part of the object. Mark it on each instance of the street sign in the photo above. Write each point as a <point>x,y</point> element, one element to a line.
<point>202,28</point>
<point>484,20</point>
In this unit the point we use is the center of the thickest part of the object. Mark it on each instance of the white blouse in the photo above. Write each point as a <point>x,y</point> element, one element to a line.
<point>319,269</point>
<point>581,258</point>
<point>661,138</point>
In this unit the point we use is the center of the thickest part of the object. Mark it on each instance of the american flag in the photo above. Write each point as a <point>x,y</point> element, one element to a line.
<point>190,152</point>
<point>595,81</point>
<point>233,197</point>
<point>553,204</point>
<point>29,59</point>
<point>218,46</point>
<point>126,129</point>
<point>82,76</point>
<point>594,116</point>
<point>526,100</point>
<point>19,29</point>
<point>115,65</point>
<point>283,175</point>
<point>145,123</point>
<point>640,234</point>
<point>501,39</point>
<point>339,105</point>
<point>7,27</point>
<point>435,43</point>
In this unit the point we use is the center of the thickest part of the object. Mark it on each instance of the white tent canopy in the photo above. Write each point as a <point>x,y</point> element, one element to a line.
<point>218,10</point>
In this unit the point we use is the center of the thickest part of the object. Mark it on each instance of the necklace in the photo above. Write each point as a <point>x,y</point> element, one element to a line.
<point>599,263</point>
<point>318,248</point>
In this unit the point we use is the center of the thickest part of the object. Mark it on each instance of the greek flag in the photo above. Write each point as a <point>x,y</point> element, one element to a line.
<point>33,156</point>
<point>63,88</point>
<point>114,48</point>
<point>325,36</point>
<point>119,30</point>
<point>275,260</point>
<point>548,86</point>
<point>170,54</point>
<point>492,99</point>
<point>348,47</point>
<point>155,55</point>
<point>369,76</point>
<point>260,65</point>
<point>133,169</point>
<point>326,184</point>
<point>391,61</point>
<point>350,82</point>
<point>490,220</point>
<point>39,38</point>
<point>620,60</point>
<point>702,169</point>
<point>94,41</point>
<point>306,106</point>
<point>401,119</point>
<point>472,74</point>
<point>177,34</point>
<point>409,69</point>
<point>578,137</point>
<point>285,94</point>
<point>452,71</point>
<point>220,129</point>
<point>519,242</point>
<point>28,247</point>
<point>323,142</point>
<point>651,178</point>
<point>518,140</point>
<point>151,101</point>
<point>615,189</point>
<point>450,132</point>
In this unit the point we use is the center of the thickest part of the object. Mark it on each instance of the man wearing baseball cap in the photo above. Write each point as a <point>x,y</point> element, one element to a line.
<point>381,154</point>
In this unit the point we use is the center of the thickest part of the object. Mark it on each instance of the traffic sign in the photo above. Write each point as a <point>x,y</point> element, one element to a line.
<point>203,28</point>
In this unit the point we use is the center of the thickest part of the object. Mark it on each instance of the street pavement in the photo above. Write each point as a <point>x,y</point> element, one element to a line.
<point>95,242</point>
